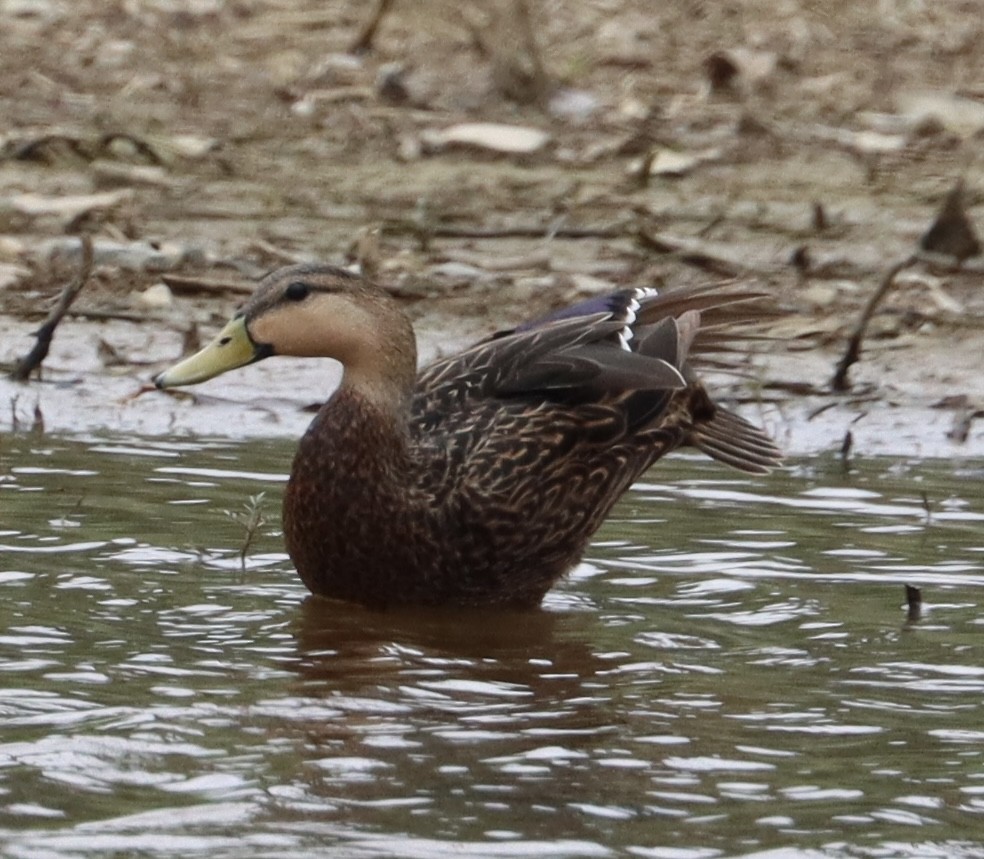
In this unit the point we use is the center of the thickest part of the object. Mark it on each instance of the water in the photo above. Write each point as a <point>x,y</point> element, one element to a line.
<point>730,672</point>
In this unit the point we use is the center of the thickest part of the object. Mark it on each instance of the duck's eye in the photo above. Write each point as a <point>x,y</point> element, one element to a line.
<point>296,291</point>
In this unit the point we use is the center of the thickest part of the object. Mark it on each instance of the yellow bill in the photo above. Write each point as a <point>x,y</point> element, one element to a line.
<point>231,348</point>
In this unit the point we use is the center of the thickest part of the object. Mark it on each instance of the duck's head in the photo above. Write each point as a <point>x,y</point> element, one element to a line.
<point>314,311</point>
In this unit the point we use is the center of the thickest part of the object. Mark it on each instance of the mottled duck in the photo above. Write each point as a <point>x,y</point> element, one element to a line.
<point>478,480</point>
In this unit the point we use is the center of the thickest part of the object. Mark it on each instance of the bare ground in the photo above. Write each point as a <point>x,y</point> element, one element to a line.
<point>804,146</point>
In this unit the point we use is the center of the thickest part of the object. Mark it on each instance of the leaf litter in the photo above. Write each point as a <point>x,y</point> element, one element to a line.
<point>782,154</point>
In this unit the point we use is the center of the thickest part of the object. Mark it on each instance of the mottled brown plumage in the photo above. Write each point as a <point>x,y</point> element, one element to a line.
<point>479,480</point>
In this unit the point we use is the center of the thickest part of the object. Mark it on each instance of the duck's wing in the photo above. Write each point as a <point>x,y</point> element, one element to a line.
<point>564,350</point>
<point>627,352</point>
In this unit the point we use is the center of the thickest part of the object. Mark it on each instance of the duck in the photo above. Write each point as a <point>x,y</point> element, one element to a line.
<point>479,480</point>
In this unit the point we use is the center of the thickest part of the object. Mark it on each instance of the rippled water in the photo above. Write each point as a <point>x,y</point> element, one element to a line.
<point>731,672</point>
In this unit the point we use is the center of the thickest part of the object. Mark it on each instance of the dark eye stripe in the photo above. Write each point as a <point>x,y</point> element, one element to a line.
<point>297,291</point>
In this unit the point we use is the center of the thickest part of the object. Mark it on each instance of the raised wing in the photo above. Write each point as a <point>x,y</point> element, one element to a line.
<point>627,352</point>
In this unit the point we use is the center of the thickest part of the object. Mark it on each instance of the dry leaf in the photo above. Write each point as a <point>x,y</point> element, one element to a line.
<point>962,116</point>
<point>191,146</point>
<point>863,142</point>
<point>491,136</point>
<point>669,162</point>
<point>739,68</point>
<point>876,143</point>
<point>156,296</point>
<point>952,233</point>
<point>69,207</point>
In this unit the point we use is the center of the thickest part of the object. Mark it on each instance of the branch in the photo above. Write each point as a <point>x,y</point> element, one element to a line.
<point>32,360</point>
<point>363,42</point>
<point>839,381</point>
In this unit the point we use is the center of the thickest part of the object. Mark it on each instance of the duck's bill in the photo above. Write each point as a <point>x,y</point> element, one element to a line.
<point>231,348</point>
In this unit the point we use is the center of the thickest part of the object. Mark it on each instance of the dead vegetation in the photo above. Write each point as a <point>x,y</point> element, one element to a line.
<point>491,160</point>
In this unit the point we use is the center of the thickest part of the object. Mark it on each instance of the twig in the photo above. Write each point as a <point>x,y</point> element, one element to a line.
<point>962,420</point>
<point>184,284</point>
<point>32,360</point>
<point>520,232</point>
<point>96,315</point>
<point>927,508</point>
<point>839,381</point>
<point>539,80</point>
<point>913,603</point>
<point>278,253</point>
<point>363,41</point>
<point>691,253</point>
<point>507,40</point>
<point>252,519</point>
<point>845,450</point>
<point>820,410</point>
<point>536,259</point>
<point>115,315</point>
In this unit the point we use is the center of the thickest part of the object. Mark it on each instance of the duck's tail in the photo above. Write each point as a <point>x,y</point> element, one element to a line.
<point>709,326</point>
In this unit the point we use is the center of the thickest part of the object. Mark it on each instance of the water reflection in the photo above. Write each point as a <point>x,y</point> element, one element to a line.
<point>729,673</point>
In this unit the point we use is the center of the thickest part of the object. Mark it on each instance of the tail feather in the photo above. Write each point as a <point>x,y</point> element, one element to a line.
<point>729,438</point>
<point>717,303</point>
<point>659,340</point>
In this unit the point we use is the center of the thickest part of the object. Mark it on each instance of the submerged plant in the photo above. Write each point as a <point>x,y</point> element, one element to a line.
<point>251,519</point>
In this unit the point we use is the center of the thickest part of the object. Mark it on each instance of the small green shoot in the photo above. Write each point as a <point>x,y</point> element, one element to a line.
<point>251,519</point>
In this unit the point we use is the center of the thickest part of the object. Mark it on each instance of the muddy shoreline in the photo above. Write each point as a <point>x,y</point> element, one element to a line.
<point>895,408</point>
<point>201,144</point>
